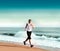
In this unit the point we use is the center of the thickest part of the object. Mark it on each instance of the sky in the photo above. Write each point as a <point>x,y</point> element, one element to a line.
<point>44,13</point>
<point>30,4</point>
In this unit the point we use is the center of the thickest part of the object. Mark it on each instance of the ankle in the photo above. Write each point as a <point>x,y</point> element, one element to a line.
<point>31,46</point>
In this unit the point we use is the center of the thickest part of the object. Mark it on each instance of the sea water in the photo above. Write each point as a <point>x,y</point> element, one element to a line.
<point>41,36</point>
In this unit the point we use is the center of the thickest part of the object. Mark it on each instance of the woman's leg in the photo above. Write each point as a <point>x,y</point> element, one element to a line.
<point>26,38</point>
<point>30,41</point>
<point>25,41</point>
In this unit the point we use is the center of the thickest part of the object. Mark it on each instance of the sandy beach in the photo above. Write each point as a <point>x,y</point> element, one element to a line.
<point>14,47</point>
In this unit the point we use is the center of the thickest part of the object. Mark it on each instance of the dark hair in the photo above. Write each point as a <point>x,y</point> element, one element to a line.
<point>29,20</point>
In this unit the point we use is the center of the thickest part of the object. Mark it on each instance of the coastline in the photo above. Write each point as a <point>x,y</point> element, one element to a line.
<point>5,46</point>
<point>20,46</point>
<point>9,42</point>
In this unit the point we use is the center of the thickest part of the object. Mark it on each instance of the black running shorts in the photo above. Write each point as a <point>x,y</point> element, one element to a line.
<point>29,34</point>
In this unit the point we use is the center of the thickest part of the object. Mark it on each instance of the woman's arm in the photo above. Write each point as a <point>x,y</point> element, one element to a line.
<point>32,25</point>
<point>26,26</point>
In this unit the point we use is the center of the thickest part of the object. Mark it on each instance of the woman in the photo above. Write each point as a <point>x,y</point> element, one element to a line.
<point>29,27</point>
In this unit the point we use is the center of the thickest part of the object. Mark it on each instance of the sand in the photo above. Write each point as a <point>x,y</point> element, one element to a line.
<point>15,47</point>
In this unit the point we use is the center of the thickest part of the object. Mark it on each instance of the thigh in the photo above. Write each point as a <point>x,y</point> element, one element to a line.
<point>29,33</point>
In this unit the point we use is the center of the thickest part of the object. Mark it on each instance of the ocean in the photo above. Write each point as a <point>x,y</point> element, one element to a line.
<point>41,36</point>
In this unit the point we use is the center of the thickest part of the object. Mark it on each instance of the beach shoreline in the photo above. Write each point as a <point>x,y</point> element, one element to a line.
<point>5,46</point>
<point>18,44</point>
<point>9,44</point>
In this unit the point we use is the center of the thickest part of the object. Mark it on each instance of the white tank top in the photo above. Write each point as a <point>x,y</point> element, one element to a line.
<point>29,27</point>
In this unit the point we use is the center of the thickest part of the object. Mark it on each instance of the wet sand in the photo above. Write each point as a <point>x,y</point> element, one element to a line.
<point>16,47</point>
